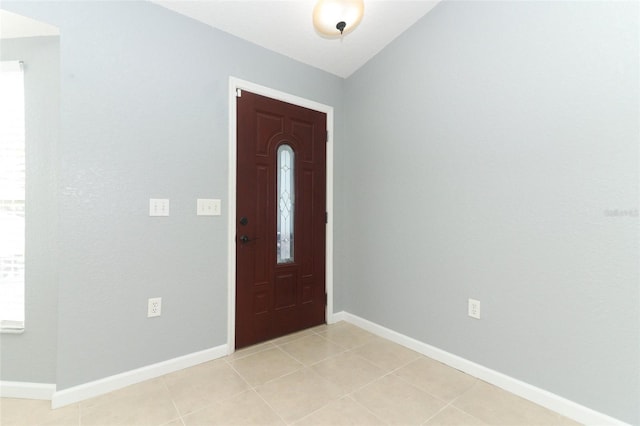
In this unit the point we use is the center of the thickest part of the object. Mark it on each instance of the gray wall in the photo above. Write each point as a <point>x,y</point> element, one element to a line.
<point>31,356</point>
<point>144,114</point>
<point>488,148</point>
<point>484,152</point>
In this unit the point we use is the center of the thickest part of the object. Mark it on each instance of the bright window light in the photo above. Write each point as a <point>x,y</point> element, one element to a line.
<point>12,196</point>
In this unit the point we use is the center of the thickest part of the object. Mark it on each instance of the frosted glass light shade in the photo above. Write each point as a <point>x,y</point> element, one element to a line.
<point>328,13</point>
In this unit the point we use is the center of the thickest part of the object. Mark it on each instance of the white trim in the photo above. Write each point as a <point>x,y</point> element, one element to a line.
<point>339,316</point>
<point>534,394</point>
<point>26,390</point>
<point>11,66</point>
<point>119,381</point>
<point>238,84</point>
<point>11,327</point>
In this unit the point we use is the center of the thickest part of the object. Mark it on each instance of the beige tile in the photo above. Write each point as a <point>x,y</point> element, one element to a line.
<point>397,402</point>
<point>311,349</point>
<point>153,407</point>
<point>346,335</point>
<point>73,420</point>
<point>341,412</point>
<point>386,354</point>
<point>246,408</point>
<point>348,370</point>
<point>194,371</point>
<point>499,407</point>
<point>436,378</point>
<point>293,336</point>
<point>451,416</point>
<point>320,328</point>
<point>250,350</point>
<point>298,394</point>
<point>177,422</point>
<point>20,412</point>
<point>263,366</point>
<point>217,392</point>
<point>194,388</point>
<point>137,390</point>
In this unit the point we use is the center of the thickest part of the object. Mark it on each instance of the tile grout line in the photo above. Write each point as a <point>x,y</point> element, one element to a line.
<point>436,413</point>
<point>303,367</point>
<point>447,404</point>
<point>223,399</point>
<point>290,356</point>
<point>350,396</point>
<point>310,368</point>
<point>79,414</point>
<point>173,401</point>
<point>349,393</point>
<point>228,359</point>
<point>451,404</point>
<point>392,373</point>
<point>255,390</point>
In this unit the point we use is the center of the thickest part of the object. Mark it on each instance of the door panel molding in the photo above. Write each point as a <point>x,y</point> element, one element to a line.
<point>235,85</point>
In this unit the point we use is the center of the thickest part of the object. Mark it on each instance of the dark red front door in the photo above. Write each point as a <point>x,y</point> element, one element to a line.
<point>280,223</point>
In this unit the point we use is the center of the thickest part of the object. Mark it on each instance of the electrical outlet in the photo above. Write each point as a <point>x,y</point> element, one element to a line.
<point>474,308</point>
<point>154,307</point>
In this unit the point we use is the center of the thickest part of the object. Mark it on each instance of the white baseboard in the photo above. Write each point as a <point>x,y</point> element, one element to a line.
<point>336,317</point>
<point>26,390</point>
<point>339,316</point>
<point>118,381</point>
<point>539,396</point>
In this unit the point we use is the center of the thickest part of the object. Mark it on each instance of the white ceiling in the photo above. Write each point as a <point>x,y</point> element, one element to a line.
<point>285,26</point>
<point>14,26</point>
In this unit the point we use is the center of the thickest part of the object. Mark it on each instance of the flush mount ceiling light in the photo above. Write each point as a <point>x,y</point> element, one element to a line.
<point>333,18</point>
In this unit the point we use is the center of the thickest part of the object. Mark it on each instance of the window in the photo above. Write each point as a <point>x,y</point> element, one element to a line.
<point>12,196</point>
<point>284,250</point>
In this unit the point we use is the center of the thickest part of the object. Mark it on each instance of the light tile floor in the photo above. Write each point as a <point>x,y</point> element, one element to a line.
<point>328,375</point>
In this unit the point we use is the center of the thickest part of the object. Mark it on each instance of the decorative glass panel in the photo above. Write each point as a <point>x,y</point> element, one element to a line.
<point>286,203</point>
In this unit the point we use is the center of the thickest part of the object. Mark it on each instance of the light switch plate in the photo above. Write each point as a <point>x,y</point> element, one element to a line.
<point>158,207</point>
<point>208,207</point>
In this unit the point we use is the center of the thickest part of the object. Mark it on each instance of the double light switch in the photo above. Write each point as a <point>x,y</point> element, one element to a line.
<point>208,207</point>
<point>158,207</point>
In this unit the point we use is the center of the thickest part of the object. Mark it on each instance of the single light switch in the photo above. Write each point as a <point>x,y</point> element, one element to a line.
<point>158,207</point>
<point>208,207</point>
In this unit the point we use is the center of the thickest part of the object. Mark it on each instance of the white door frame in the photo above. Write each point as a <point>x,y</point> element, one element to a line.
<point>236,84</point>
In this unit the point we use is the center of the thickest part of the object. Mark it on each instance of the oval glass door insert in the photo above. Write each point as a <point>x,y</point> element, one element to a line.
<point>286,204</point>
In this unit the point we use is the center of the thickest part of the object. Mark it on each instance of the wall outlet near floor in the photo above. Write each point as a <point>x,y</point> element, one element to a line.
<point>154,307</point>
<point>474,308</point>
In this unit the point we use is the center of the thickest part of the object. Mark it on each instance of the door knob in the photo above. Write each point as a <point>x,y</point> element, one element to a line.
<point>245,239</point>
